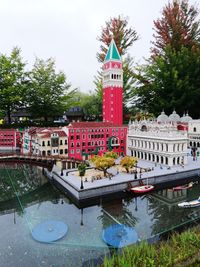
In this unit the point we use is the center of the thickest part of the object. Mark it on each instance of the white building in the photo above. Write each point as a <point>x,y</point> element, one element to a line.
<point>158,141</point>
<point>194,133</point>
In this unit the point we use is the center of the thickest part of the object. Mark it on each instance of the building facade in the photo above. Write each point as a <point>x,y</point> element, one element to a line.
<point>91,138</point>
<point>158,142</point>
<point>113,86</point>
<point>46,142</point>
<point>194,133</point>
<point>10,139</point>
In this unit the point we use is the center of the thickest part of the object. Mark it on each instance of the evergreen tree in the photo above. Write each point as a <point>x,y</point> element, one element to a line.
<point>170,79</point>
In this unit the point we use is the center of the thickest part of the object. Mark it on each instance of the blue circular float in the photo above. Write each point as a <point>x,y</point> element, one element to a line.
<point>119,235</point>
<point>49,231</point>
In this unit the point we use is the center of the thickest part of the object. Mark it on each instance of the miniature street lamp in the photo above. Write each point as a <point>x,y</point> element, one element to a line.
<point>82,169</point>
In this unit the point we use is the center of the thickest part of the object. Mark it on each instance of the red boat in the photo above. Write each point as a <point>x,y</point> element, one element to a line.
<point>142,189</point>
<point>182,187</point>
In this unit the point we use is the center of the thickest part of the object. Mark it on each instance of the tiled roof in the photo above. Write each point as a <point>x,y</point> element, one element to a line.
<point>88,124</point>
<point>48,134</point>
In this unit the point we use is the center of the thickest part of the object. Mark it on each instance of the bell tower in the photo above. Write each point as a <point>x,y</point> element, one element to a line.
<point>113,86</point>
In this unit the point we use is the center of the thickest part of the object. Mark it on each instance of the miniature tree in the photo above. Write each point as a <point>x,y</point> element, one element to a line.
<point>128,162</point>
<point>82,169</point>
<point>102,163</point>
<point>111,154</point>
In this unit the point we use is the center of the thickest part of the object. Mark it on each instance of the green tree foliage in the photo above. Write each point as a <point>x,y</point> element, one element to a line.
<point>49,93</point>
<point>90,103</point>
<point>171,78</point>
<point>12,82</point>
<point>128,162</point>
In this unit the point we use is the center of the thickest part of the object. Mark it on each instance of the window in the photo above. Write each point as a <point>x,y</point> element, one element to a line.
<point>72,151</point>
<point>61,151</point>
<point>78,151</point>
<point>71,137</point>
<point>65,142</point>
<point>66,151</point>
<point>48,143</point>
<point>61,142</point>
<point>83,144</point>
<point>83,136</point>
<point>78,144</point>
<point>194,129</point>
<point>78,137</point>
<point>43,143</point>
<point>72,144</point>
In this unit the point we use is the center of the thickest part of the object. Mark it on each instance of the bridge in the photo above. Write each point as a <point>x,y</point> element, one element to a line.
<point>63,162</point>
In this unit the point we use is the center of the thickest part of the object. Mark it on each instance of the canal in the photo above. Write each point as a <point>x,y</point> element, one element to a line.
<point>27,200</point>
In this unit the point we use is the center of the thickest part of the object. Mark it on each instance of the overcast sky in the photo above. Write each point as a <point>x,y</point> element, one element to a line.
<point>67,31</point>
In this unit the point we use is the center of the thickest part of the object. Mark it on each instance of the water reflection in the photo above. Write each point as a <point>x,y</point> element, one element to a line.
<point>149,215</point>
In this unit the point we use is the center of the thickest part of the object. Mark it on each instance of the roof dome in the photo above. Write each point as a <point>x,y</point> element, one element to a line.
<point>162,117</point>
<point>186,118</point>
<point>174,117</point>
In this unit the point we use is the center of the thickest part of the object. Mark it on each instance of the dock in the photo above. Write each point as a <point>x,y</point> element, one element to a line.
<point>158,176</point>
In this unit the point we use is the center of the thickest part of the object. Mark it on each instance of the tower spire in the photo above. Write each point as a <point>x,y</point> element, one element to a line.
<point>112,86</point>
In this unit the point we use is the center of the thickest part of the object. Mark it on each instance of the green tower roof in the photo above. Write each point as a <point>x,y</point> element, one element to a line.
<point>112,53</point>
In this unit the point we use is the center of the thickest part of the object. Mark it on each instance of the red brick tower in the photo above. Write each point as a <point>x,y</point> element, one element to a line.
<point>113,86</point>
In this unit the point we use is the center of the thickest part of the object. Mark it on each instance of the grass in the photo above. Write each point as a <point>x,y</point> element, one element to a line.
<point>179,250</point>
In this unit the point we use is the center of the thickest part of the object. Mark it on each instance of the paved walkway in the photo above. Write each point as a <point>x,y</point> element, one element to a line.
<point>124,177</point>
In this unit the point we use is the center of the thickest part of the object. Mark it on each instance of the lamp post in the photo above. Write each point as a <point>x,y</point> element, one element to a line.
<point>82,187</point>
<point>82,168</point>
<point>81,217</point>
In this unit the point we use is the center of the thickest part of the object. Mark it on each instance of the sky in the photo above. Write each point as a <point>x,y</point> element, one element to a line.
<point>67,30</point>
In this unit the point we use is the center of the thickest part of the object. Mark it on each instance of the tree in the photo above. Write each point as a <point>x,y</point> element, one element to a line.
<point>111,154</point>
<point>128,162</point>
<point>124,37</point>
<point>90,104</point>
<point>12,82</point>
<point>49,94</point>
<point>103,163</point>
<point>170,79</point>
<point>177,27</point>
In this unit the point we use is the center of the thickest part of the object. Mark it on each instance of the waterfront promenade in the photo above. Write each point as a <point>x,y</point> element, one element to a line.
<point>157,175</point>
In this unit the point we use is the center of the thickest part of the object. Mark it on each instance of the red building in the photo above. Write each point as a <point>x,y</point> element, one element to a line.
<point>113,86</point>
<point>10,139</point>
<point>92,138</point>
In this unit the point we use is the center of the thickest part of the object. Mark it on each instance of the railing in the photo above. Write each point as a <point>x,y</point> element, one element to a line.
<point>36,157</point>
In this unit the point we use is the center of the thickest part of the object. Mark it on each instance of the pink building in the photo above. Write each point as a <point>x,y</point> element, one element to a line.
<point>91,138</point>
<point>10,139</point>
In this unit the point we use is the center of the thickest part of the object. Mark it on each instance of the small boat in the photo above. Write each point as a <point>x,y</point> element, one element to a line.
<point>182,187</point>
<point>190,204</point>
<point>142,189</point>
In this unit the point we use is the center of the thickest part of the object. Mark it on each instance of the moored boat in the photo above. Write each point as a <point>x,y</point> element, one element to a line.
<point>182,187</point>
<point>190,204</point>
<point>142,189</point>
